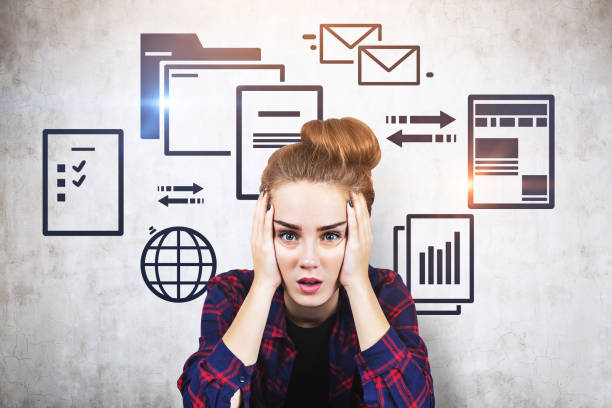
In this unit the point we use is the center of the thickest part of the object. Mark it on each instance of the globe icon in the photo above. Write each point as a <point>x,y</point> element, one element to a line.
<point>177,263</point>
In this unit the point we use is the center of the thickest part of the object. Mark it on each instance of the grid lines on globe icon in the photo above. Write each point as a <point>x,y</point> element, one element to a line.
<point>177,263</point>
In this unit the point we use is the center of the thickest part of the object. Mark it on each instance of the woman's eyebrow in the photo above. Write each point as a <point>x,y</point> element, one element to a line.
<point>298,228</point>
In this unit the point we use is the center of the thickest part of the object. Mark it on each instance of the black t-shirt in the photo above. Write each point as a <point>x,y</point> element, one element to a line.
<point>309,383</point>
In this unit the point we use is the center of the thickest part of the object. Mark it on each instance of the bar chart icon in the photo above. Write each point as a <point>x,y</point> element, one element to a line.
<point>447,263</point>
<point>436,254</point>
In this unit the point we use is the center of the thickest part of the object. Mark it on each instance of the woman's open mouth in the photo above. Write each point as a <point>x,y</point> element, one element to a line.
<point>309,285</point>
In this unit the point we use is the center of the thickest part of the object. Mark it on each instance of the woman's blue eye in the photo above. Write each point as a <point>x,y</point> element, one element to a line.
<point>287,236</point>
<point>290,236</point>
<point>330,236</point>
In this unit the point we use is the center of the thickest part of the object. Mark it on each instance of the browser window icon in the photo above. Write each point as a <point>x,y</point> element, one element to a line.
<point>511,162</point>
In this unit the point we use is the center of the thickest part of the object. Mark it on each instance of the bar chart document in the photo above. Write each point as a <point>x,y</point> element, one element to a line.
<point>83,182</point>
<point>268,118</point>
<point>436,254</point>
<point>511,151</point>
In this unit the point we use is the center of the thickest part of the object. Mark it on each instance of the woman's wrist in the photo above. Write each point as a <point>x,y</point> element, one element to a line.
<point>370,321</point>
<point>358,286</point>
<point>264,286</point>
<point>244,335</point>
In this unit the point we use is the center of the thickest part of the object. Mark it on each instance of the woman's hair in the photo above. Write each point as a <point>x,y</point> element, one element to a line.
<point>342,152</point>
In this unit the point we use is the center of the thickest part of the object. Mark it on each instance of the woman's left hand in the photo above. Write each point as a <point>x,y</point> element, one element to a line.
<point>354,271</point>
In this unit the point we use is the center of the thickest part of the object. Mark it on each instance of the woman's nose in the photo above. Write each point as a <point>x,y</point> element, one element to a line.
<point>309,258</point>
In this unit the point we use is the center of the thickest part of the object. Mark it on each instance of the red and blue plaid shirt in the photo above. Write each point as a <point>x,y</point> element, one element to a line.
<point>394,372</point>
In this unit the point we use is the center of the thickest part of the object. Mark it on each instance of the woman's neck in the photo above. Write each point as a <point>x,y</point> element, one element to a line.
<point>311,316</point>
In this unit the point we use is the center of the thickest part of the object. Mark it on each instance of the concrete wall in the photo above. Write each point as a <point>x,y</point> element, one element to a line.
<point>79,327</point>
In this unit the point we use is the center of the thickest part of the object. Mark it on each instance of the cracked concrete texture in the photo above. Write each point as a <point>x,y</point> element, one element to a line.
<point>78,327</point>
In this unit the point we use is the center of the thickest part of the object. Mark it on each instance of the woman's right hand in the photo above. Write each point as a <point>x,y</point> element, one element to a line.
<point>262,244</point>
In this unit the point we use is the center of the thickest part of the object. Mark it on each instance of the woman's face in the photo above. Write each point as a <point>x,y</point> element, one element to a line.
<point>309,239</point>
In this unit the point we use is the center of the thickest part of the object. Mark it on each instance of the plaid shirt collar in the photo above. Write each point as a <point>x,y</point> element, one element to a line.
<point>344,327</point>
<point>344,344</point>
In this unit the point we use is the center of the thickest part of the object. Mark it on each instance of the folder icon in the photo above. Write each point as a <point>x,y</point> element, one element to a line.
<point>156,48</point>
<point>388,65</point>
<point>338,41</point>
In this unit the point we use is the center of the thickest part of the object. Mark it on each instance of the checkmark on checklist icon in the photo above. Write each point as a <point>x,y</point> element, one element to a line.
<point>79,167</point>
<point>79,181</point>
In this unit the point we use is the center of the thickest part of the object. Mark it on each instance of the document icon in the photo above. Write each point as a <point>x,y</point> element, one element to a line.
<point>200,104</point>
<point>82,182</point>
<point>267,118</point>
<point>511,151</point>
<point>338,41</point>
<point>388,65</point>
<point>436,254</point>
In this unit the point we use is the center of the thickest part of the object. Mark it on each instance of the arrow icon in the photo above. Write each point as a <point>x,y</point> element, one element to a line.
<point>193,188</point>
<point>398,138</point>
<point>443,119</point>
<point>166,200</point>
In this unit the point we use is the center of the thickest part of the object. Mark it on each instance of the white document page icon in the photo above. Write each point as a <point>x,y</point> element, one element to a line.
<point>269,117</point>
<point>200,105</point>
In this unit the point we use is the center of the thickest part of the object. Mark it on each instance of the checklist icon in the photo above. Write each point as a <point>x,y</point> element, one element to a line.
<point>82,182</point>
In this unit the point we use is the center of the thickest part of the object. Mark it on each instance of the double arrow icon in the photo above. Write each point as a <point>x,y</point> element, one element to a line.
<point>194,188</point>
<point>399,138</point>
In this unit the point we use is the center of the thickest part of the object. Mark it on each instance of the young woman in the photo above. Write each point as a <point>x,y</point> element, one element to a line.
<point>313,324</point>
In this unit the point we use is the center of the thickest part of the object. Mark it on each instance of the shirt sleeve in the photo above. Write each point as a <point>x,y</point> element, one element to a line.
<point>213,374</point>
<point>395,370</point>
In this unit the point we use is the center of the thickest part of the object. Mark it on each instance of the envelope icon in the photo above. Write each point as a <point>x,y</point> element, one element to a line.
<point>388,65</point>
<point>337,42</point>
